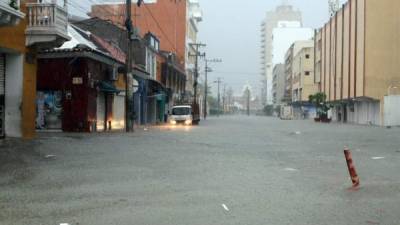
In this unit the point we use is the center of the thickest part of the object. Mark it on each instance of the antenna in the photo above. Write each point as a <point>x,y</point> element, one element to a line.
<point>333,7</point>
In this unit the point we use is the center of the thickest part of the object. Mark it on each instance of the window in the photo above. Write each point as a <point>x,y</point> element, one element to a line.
<point>307,73</point>
<point>181,111</point>
<point>307,56</point>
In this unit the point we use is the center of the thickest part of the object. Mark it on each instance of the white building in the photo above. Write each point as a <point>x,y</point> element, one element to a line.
<point>284,12</point>
<point>287,33</point>
<point>194,17</point>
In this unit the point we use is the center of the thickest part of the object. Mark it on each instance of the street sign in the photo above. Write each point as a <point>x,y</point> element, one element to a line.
<point>77,80</point>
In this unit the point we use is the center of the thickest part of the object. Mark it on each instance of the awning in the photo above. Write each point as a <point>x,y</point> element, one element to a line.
<point>156,86</point>
<point>108,87</point>
<point>139,73</point>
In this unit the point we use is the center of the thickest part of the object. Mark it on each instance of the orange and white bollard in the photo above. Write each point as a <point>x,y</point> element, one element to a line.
<point>352,170</point>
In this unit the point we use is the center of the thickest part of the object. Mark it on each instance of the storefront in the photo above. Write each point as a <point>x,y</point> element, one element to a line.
<point>156,102</point>
<point>49,110</point>
<point>81,98</point>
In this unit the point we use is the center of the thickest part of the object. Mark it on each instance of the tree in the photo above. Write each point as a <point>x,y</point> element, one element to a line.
<point>269,110</point>
<point>319,101</point>
<point>229,96</point>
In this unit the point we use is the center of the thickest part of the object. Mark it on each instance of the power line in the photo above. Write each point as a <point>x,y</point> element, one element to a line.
<point>160,27</point>
<point>236,72</point>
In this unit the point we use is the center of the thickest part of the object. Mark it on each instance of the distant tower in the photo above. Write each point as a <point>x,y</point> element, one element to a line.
<point>283,12</point>
<point>333,7</point>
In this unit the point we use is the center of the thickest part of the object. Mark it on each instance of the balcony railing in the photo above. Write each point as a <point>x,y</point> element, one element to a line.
<point>10,16</point>
<point>47,25</point>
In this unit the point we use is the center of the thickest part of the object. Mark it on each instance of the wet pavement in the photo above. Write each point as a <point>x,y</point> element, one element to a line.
<point>228,170</point>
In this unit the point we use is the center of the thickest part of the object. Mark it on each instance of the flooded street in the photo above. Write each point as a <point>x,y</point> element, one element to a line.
<point>230,170</point>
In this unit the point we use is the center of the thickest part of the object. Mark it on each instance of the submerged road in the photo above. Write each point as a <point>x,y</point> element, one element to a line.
<point>229,170</point>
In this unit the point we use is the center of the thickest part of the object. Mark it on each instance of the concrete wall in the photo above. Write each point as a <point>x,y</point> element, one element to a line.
<point>392,110</point>
<point>13,38</point>
<point>13,97</point>
<point>364,112</point>
<point>343,52</point>
<point>382,47</point>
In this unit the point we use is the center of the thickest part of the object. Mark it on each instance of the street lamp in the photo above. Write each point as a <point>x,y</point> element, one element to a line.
<point>207,70</point>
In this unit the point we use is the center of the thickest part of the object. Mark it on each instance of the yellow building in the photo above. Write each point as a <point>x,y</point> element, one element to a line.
<point>26,28</point>
<point>357,61</point>
<point>303,75</point>
<point>290,63</point>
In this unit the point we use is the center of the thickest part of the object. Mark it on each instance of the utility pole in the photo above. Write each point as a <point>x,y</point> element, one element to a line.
<point>219,81</point>
<point>196,46</point>
<point>205,89</point>
<point>131,35</point>
<point>128,73</point>
<point>223,99</point>
<point>248,100</point>
<point>207,70</point>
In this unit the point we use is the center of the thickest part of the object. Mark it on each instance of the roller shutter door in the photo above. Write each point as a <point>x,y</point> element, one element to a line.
<point>101,111</point>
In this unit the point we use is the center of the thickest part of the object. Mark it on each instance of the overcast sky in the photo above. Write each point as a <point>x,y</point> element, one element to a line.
<point>231,30</point>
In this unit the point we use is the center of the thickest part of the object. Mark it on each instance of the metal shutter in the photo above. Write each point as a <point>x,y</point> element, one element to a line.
<point>118,112</point>
<point>101,111</point>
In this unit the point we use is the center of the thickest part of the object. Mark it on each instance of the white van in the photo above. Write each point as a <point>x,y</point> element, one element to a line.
<point>181,114</point>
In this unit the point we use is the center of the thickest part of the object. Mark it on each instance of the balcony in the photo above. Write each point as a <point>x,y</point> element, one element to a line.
<point>10,16</point>
<point>47,25</point>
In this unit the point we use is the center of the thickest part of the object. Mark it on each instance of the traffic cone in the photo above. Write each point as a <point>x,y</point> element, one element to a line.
<point>352,170</point>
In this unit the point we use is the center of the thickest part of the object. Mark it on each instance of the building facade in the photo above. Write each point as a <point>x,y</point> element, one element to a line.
<point>303,75</point>
<point>290,55</point>
<point>89,94</point>
<point>24,29</point>
<point>194,17</point>
<point>284,36</point>
<point>283,12</point>
<point>174,23</point>
<point>278,84</point>
<point>358,66</point>
<point>303,84</point>
<point>151,99</point>
<point>165,19</point>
